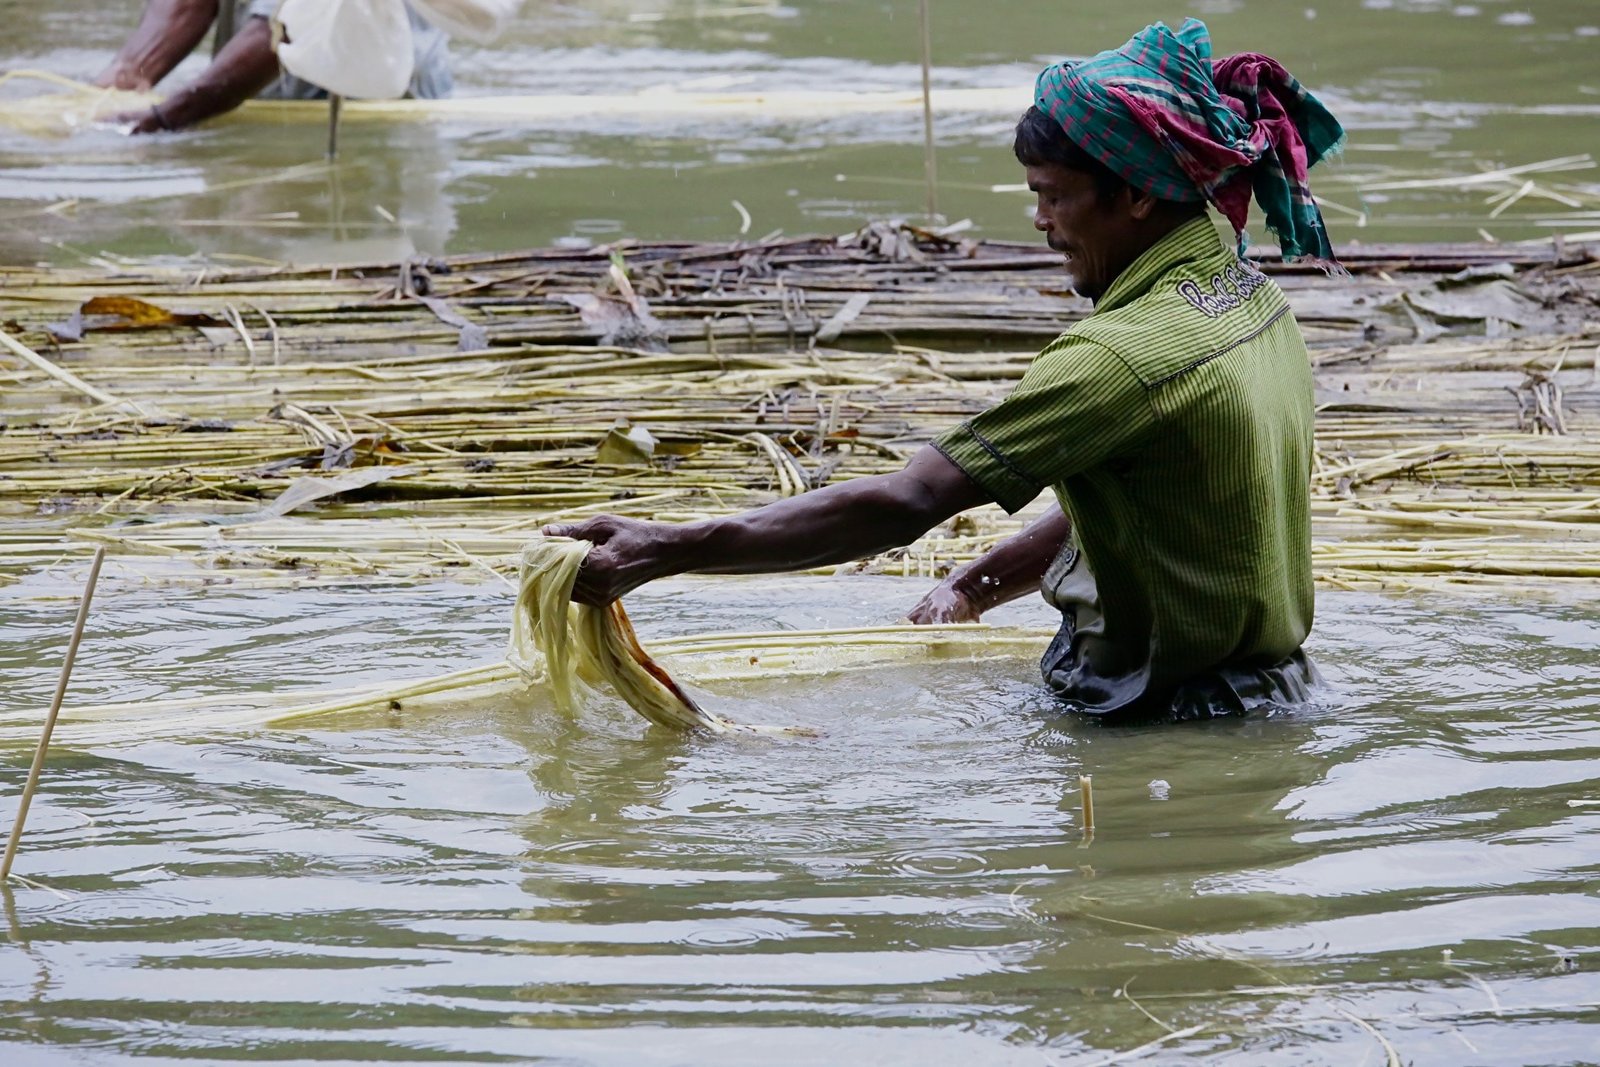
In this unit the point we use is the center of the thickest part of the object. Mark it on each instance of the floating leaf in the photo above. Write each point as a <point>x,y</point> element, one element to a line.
<point>626,445</point>
<point>303,491</point>
<point>123,313</point>
<point>620,321</point>
<point>471,336</point>
<point>842,318</point>
<point>1479,301</point>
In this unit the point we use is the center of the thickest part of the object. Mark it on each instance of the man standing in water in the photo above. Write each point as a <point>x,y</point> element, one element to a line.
<point>244,64</point>
<point>1174,424</point>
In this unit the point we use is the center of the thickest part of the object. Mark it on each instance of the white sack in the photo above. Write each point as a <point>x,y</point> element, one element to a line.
<point>356,48</point>
<point>476,20</point>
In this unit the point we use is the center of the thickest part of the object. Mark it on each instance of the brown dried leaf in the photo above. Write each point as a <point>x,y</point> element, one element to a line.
<point>123,313</point>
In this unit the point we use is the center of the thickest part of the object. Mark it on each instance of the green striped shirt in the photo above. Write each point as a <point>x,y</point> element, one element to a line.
<point>1175,426</point>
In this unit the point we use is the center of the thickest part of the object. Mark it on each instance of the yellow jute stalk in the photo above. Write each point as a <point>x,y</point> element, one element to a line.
<point>567,645</point>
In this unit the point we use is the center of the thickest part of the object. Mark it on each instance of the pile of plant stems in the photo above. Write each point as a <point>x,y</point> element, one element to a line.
<point>424,417</point>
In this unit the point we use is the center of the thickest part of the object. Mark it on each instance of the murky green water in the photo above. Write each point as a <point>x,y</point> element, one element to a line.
<point>911,888</point>
<point>1414,856</point>
<point>1426,88</point>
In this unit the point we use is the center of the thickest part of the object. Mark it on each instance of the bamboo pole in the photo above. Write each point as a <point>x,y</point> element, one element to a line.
<point>335,105</point>
<point>227,16</point>
<point>50,717</point>
<point>65,377</point>
<point>1086,803</point>
<point>929,164</point>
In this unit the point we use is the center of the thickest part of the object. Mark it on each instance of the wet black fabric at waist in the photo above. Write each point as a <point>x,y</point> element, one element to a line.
<point>1228,689</point>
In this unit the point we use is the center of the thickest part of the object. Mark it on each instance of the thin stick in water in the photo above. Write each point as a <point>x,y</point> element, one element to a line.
<point>335,103</point>
<point>50,718</point>
<point>930,166</point>
<point>227,15</point>
<point>1086,801</point>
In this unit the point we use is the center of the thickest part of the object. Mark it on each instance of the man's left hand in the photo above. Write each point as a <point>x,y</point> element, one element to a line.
<point>627,553</point>
<point>944,603</point>
<point>140,122</point>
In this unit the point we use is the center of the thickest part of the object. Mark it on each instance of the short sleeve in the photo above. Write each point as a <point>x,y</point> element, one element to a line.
<point>1078,405</point>
<point>260,9</point>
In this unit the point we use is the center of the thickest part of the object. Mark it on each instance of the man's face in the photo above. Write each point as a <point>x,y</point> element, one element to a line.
<point>1095,235</point>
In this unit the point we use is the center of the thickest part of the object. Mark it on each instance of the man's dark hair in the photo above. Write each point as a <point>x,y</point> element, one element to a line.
<point>1041,140</point>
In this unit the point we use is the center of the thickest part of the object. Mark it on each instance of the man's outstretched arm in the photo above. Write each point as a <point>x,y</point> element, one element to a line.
<point>836,524</point>
<point>167,33</point>
<point>1013,568</point>
<point>246,65</point>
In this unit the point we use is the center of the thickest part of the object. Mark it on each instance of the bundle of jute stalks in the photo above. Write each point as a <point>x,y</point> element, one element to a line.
<point>567,645</point>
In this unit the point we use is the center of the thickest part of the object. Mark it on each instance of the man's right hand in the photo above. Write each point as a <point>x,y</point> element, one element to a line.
<point>627,553</point>
<point>121,76</point>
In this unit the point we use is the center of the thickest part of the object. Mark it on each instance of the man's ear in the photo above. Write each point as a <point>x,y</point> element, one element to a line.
<point>1141,205</point>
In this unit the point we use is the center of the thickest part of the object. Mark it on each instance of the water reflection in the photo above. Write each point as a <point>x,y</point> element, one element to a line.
<point>1489,89</point>
<point>382,202</point>
<point>912,886</point>
<point>387,198</point>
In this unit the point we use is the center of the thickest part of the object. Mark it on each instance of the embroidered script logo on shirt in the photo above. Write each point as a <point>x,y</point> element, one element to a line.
<point>1229,288</point>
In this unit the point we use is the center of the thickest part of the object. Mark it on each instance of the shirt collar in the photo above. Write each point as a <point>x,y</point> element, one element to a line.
<point>1195,239</point>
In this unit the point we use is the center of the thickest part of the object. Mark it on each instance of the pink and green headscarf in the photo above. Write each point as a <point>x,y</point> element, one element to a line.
<point>1166,118</point>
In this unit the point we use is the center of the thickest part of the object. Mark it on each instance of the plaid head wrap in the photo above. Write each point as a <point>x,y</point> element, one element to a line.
<point>1166,118</point>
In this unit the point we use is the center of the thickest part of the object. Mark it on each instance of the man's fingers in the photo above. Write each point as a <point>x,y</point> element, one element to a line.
<point>578,531</point>
<point>598,529</point>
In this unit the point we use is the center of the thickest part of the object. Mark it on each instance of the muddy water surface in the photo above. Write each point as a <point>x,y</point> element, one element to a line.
<point>1413,856</point>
